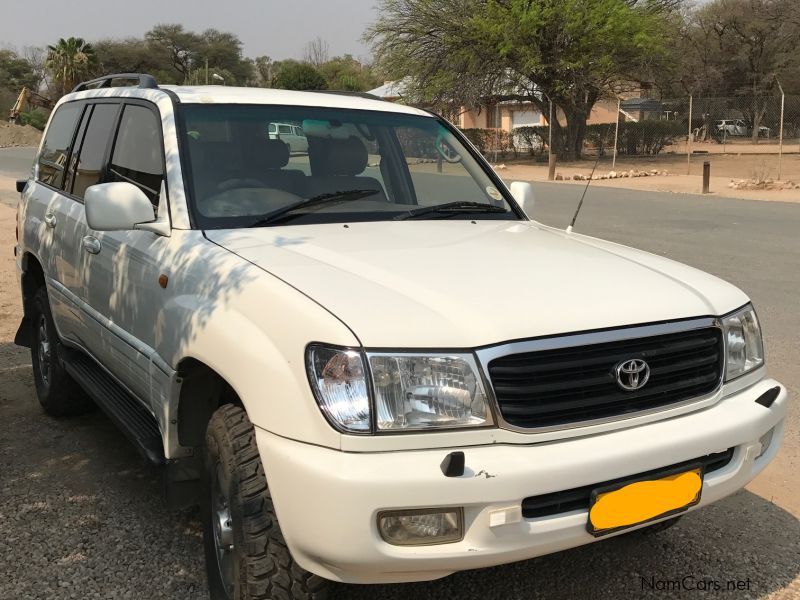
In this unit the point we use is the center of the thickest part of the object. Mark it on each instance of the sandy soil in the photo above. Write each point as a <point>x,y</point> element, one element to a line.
<point>18,135</point>
<point>723,169</point>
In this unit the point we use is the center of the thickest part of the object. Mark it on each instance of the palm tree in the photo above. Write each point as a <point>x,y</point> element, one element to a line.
<point>69,60</point>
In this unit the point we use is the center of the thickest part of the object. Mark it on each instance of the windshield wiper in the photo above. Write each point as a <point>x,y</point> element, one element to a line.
<point>451,208</point>
<point>284,212</point>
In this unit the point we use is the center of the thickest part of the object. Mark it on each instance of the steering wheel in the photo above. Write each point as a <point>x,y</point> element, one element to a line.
<point>237,183</point>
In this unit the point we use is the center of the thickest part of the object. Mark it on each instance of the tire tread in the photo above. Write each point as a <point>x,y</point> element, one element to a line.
<point>269,569</point>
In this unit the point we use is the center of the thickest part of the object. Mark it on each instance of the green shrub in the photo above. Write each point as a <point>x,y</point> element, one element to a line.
<point>477,137</point>
<point>635,138</point>
<point>36,118</point>
<point>531,138</point>
<point>492,141</point>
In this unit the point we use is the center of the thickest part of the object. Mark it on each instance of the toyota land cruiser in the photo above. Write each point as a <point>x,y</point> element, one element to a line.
<point>365,361</point>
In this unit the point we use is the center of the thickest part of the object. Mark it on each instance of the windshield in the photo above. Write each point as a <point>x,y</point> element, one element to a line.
<point>263,165</point>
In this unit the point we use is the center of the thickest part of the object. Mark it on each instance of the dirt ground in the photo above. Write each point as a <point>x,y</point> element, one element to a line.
<point>724,167</point>
<point>18,135</point>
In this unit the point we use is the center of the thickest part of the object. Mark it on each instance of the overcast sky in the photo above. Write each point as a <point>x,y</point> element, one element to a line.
<point>277,28</point>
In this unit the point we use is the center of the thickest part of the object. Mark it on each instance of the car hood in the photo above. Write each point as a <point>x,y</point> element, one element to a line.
<point>461,284</point>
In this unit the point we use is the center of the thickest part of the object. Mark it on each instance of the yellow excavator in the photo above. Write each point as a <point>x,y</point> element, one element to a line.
<point>28,99</point>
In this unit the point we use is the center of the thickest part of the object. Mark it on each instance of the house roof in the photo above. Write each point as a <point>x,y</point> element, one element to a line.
<point>642,105</point>
<point>390,90</point>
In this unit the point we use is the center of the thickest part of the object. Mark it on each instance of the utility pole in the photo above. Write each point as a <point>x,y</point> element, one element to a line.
<point>616,135</point>
<point>780,135</point>
<point>689,140</point>
<point>551,156</point>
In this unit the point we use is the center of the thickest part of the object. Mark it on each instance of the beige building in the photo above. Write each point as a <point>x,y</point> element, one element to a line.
<point>505,115</point>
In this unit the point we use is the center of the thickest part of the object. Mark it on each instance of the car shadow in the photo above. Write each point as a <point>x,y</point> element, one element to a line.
<point>83,481</point>
<point>742,540</point>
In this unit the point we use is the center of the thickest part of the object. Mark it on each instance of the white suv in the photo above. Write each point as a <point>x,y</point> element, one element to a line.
<point>292,135</point>
<point>364,373</point>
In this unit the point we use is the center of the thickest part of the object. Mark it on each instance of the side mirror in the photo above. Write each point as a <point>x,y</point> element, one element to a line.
<point>522,191</point>
<point>118,206</point>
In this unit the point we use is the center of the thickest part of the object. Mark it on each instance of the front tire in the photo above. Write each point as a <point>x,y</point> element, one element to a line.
<point>246,555</point>
<point>58,393</point>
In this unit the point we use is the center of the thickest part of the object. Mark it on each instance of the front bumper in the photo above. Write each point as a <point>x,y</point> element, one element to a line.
<point>327,501</point>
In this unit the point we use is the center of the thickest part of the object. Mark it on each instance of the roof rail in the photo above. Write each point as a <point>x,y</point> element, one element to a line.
<point>366,95</point>
<point>145,81</point>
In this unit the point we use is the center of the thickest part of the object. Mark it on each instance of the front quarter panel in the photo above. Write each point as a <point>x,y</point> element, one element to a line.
<point>252,329</point>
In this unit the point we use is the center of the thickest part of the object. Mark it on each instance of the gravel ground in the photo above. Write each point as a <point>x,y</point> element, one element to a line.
<point>81,517</point>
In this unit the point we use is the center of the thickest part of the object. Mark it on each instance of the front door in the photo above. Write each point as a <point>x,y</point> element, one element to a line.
<point>122,278</point>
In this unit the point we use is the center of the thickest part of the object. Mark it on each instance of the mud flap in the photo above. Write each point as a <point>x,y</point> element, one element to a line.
<point>23,336</point>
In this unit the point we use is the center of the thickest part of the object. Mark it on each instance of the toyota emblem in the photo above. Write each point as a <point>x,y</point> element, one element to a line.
<point>632,374</point>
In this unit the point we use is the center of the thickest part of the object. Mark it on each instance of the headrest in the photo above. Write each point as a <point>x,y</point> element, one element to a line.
<point>346,157</point>
<point>275,154</point>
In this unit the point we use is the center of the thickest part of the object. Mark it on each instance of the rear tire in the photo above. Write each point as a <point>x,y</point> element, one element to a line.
<point>58,393</point>
<point>246,555</point>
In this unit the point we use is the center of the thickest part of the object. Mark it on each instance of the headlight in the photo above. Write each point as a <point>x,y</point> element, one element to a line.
<point>427,391</point>
<point>743,345</point>
<point>340,387</point>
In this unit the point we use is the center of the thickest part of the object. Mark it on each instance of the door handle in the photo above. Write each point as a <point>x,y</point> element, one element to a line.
<point>91,244</point>
<point>50,220</point>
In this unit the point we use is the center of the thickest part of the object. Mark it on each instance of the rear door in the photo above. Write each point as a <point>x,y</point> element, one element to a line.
<point>122,280</point>
<point>51,218</point>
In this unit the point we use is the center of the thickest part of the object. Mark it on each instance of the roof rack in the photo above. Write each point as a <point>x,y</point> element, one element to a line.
<point>145,81</point>
<point>366,95</point>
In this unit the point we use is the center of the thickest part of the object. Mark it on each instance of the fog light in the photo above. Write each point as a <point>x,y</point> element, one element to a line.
<point>765,441</point>
<point>420,527</point>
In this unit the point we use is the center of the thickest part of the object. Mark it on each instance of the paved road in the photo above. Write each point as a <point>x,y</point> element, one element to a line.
<point>742,538</point>
<point>16,162</point>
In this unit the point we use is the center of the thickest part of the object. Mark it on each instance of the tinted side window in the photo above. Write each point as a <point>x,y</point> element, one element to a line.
<point>73,157</point>
<point>92,155</point>
<point>53,156</point>
<point>137,156</point>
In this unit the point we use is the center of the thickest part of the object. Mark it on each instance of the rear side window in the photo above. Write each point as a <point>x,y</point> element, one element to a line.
<point>91,160</point>
<point>53,157</point>
<point>138,157</point>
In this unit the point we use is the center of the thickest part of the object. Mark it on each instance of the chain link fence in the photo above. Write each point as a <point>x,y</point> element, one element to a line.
<point>764,126</point>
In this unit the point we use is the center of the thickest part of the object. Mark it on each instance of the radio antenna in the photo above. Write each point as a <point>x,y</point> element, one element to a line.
<point>597,160</point>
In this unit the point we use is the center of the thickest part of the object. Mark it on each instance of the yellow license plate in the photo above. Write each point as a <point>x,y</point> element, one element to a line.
<point>624,505</point>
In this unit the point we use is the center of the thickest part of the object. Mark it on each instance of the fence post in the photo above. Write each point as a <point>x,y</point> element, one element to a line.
<point>616,136</point>
<point>689,140</point>
<point>780,135</point>
<point>551,157</point>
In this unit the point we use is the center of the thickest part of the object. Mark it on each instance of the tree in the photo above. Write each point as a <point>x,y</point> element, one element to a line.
<point>176,47</point>
<point>131,55</point>
<point>16,72</point>
<point>299,76</point>
<point>349,74</point>
<point>264,67</point>
<point>70,60</point>
<point>37,59</point>
<point>737,48</point>
<point>570,51</point>
<point>223,51</point>
<point>316,52</point>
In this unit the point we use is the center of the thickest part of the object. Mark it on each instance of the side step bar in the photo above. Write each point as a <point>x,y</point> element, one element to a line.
<point>122,408</point>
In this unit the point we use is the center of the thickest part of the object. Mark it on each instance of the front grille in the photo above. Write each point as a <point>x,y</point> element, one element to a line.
<point>557,387</point>
<point>556,503</point>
